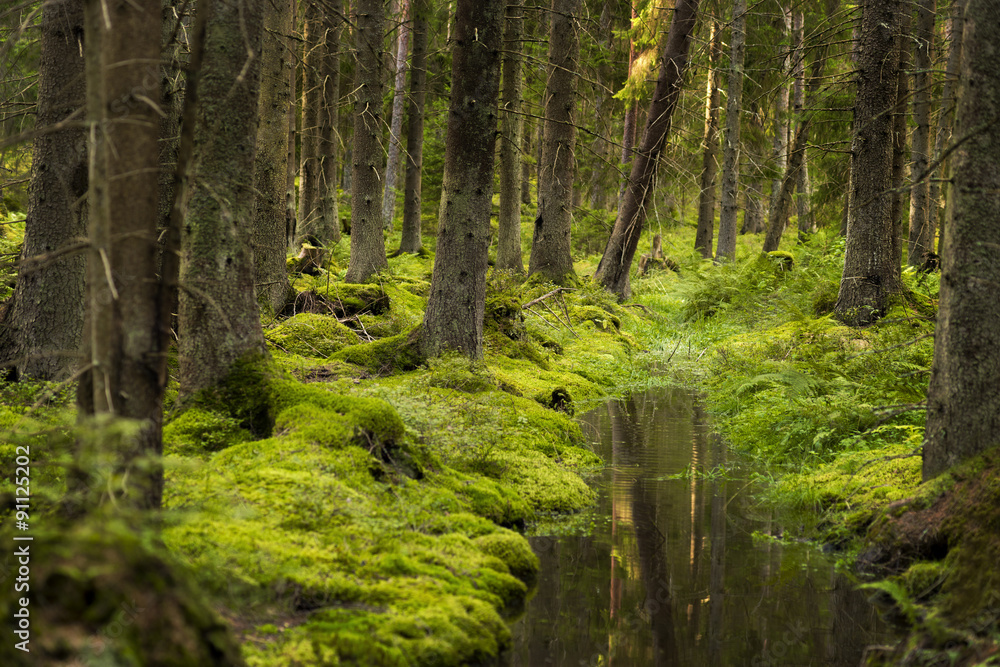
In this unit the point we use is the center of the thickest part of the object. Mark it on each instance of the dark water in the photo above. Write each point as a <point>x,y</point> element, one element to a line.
<point>666,571</point>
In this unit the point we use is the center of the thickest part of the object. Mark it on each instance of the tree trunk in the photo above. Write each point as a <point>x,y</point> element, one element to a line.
<point>709,164</point>
<point>509,234</point>
<point>396,123</point>
<point>526,132</point>
<point>629,123</point>
<point>779,150</point>
<point>328,228</point>
<point>945,116</point>
<point>41,332</point>
<point>291,217</point>
<point>870,274</point>
<point>613,271</point>
<point>171,102</point>
<point>412,220</point>
<point>455,308</point>
<point>218,314</point>
<point>726,248</point>
<point>900,204</point>
<point>367,242</point>
<point>269,172</point>
<point>753,212</point>
<point>781,203</point>
<point>550,242</point>
<point>310,196</point>
<point>918,241</point>
<point>601,145</point>
<point>963,400</point>
<point>126,376</point>
<point>807,224</point>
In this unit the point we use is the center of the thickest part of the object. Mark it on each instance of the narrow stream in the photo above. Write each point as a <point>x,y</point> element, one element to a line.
<point>665,570</point>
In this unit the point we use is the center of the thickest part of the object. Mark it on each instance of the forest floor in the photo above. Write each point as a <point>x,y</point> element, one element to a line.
<point>346,502</point>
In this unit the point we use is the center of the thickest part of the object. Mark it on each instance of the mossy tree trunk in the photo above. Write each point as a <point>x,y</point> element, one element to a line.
<point>126,352</point>
<point>367,242</point>
<point>412,197</point>
<point>613,271</point>
<point>219,317</point>
<point>550,244</point>
<point>710,148</point>
<point>726,247</point>
<point>509,234</point>
<point>41,332</point>
<point>291,166</point>
<point>919,240</point>
<point>310,191</point>
<point>327,230</point>
<point>394,160</point>
<point>963,400</point>
<point>268,235</point>
<point>871,275</point>
<point>454,316</point>
<point>630,120</point>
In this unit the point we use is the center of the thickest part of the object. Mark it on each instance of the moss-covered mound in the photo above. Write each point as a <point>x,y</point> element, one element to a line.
<point>103,594</point>
<point>311,335</point>
<point>940,548</point>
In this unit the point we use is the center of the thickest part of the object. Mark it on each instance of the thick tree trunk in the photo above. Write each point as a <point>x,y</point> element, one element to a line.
<point>550,243</point>
<point>803,204</point>
<point>945,116</point>
<point>509,234</point>
<point>367,242</point>
<point>171,103</point>
<point>871,275</point>
<point>412,221</point>
<point>613,271</point>
<point>393,162</point>
<point>918,241</point>
<point>269,173</point>
<point>726,248</point>
<point>126,375</point>
<point>218,314</point>
<point>455,308</point>
<point>710,149</point>
<point>41,333</point>
<point>310,190</point>
<point>963,400</point>
<point>328,228</point>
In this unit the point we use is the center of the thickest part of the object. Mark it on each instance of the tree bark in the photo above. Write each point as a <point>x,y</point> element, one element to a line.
<point>367,242</point>
<point>392,164</point>
<point>291,217</point>
<point>126,375</point>
<point>526,132</point>
<point>268,237</point>
<point>945,116</point>
<point>710,150</point>
<point>963,400</point>
<point>601,147</point>
<point>218,314</point>
<point>900,202</point>
<point>328,228</point>
<point>41,332</point>
<point>781,203</point>
<point>509,233</point>
<point>870,274</point>
<point>454,316</point>
<point>918,241</point>
<point>613,271</point>
<point>631,118</point>
<point>726,248</point>
<point>779,151</point>
<point>310,196</point>
<point>550,243</point>
<point>412,220</point>
<point>803,204</point>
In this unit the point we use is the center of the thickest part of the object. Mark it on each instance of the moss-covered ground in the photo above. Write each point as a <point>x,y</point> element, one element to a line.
<point>348,502</point>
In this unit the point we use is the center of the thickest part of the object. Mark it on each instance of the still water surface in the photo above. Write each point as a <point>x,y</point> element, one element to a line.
<point>666,570</point>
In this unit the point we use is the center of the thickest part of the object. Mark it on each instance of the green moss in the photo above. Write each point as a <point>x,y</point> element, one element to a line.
<point>454,371</point>
<point>311,335</point>
<point>513,551</point>
<point>197,431</point>
<point>385,356</point>
<point>599,316</point>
